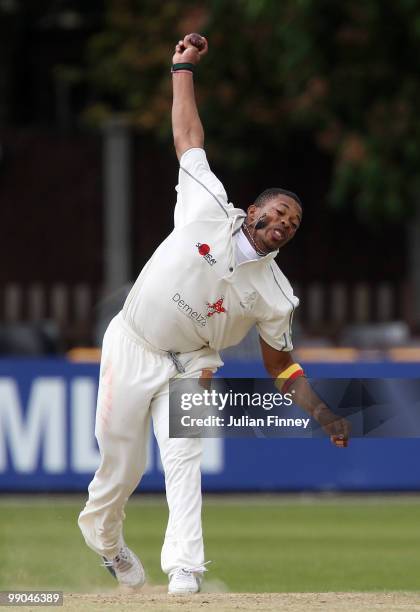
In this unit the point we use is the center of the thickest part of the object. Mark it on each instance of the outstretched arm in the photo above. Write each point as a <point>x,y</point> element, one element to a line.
<point>336,427</point>
<point>186,124</point>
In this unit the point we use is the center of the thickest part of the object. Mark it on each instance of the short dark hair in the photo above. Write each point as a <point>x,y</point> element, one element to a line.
<point>268,194</point>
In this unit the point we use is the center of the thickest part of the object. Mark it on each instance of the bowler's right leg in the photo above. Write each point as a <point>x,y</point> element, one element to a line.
<point>128,378</point>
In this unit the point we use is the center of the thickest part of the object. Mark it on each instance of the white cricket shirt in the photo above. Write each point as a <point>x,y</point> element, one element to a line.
<point>192,293</point>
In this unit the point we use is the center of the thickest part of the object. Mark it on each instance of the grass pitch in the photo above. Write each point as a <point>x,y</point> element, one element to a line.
<point>257,544</point>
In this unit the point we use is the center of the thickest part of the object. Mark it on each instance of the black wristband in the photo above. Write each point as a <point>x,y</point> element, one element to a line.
<point>183,66</point>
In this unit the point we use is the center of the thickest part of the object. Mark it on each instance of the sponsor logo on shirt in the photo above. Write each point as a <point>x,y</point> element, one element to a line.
<point>204,251</point>
<point>248,300</point>
<point>216,307</point>
<point>197,317</point>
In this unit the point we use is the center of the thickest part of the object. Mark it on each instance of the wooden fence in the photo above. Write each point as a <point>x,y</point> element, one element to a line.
<point>323,308</point>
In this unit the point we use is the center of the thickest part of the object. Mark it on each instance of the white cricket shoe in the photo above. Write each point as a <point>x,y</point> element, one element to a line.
<point>186,580</point>
<point>126,567</point>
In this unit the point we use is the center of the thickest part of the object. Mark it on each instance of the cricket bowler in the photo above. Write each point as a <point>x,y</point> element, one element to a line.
<point>209,282</point>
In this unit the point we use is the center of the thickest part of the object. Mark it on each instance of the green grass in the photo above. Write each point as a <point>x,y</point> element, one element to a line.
<point>271,544</point>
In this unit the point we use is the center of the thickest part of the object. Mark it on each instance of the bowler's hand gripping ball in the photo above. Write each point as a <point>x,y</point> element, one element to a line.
<point>196,40</point>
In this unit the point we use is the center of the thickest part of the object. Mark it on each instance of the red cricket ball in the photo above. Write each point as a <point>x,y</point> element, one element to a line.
<point>196,40</point>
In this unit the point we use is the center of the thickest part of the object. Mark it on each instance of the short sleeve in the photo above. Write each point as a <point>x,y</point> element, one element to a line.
<point>277,333</point>
<point>200,193</point>
<point>276,329</point>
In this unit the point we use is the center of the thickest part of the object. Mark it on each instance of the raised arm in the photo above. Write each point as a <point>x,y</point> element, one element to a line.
<point>186,124</point>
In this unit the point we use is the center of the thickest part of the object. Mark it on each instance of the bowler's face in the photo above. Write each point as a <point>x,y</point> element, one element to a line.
<point>283,216</point>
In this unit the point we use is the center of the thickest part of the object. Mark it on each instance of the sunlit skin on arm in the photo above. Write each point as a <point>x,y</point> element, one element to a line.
<point>187,128</point>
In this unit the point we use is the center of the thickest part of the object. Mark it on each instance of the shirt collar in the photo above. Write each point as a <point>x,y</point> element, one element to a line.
<point>238,221</point>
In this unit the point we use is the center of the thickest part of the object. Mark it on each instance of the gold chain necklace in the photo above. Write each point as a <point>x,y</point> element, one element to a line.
<point>248,234</point>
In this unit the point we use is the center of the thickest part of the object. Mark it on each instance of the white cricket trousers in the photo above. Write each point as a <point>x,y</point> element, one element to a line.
<point>133,387</point>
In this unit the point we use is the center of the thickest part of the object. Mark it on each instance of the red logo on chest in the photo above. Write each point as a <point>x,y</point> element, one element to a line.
<point>204,251</point>
<point>216,307</point>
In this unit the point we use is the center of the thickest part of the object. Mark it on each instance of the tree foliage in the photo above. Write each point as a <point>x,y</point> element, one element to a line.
<point>346,72</point>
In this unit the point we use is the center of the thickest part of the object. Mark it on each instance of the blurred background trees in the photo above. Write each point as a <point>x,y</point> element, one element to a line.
<point>315,95</point>
<point>346,72</point>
